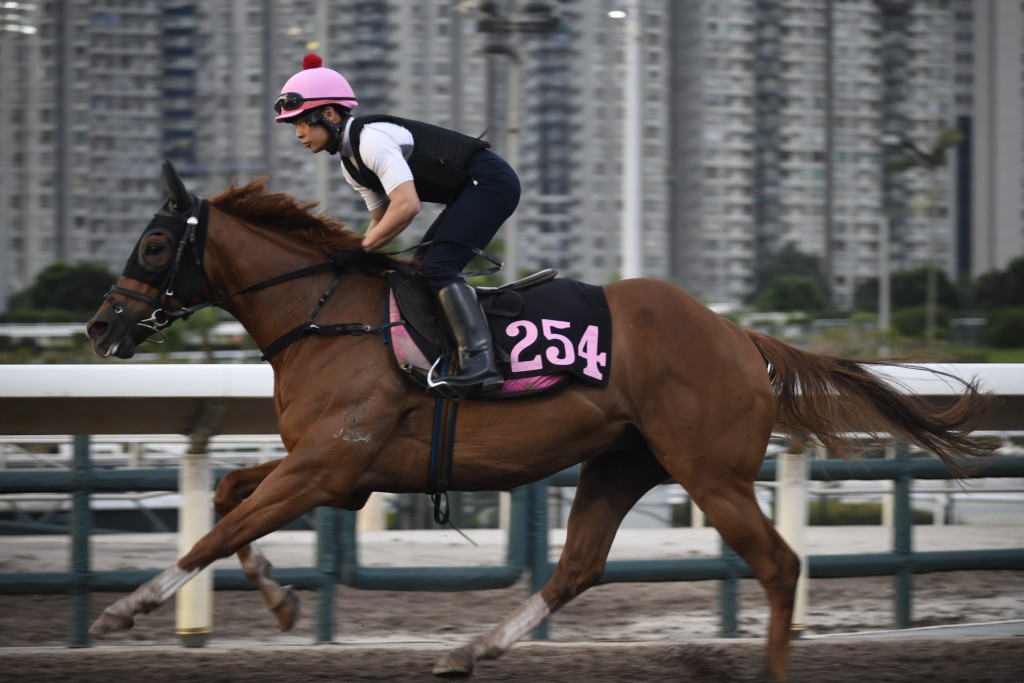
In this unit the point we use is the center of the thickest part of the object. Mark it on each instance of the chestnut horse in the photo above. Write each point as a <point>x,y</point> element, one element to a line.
<point>691,396</point>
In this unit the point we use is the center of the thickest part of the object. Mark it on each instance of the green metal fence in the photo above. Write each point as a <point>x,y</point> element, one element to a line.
<point>528,545</point>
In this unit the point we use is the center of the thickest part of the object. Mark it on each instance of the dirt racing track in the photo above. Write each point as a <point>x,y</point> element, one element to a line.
<point>619,632</point>
<point>911,661</point>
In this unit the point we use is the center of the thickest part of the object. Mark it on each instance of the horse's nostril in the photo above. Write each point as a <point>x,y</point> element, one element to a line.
<point>96,329</point>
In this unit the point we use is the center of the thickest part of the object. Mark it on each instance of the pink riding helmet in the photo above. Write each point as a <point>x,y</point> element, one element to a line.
<point>313,87</point>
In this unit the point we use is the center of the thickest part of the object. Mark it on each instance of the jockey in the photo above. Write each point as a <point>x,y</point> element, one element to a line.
<point>395,164</point>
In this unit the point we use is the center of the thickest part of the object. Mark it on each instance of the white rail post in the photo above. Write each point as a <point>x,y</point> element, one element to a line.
<point>373,516</point>
<point>504,510</point>
<point>194,601</point>
<point>194,606</point>
<point>697,520</point>
<point>791,522</point>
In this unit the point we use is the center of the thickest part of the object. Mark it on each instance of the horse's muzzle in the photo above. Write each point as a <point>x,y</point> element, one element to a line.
<point>110,338</point>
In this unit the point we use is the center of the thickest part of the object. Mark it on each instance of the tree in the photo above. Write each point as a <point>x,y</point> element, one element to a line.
<point>74,289</point>
<point>790,280</point>
<point>997,288</point>
<point>1006,327</point>
<point>931,161</point>
<point>788,261</point>
<point>792,293</point>
<point>909,288</point>
<point>911,321</point>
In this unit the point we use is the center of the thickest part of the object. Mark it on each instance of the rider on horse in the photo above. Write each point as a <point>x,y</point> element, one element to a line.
<point>395,164</point>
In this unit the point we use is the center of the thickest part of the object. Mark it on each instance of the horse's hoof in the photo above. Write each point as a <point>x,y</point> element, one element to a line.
<point>111,621</point>
<point>286,609</point>
<point>458,664</point>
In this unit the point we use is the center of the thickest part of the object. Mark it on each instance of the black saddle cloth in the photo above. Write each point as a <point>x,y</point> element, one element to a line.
<point>556,328</point>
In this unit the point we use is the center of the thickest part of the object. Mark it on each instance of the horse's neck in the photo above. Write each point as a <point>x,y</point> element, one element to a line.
<point>269,313</point>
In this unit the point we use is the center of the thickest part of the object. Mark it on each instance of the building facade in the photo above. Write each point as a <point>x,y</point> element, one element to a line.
<point>764,124</point>
<point>786,114</point>
<point>81,141</point>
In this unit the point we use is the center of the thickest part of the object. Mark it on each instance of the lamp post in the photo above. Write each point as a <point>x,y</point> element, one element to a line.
<point>632,143</point>
<point>884,287</point>
<point>535,18</point>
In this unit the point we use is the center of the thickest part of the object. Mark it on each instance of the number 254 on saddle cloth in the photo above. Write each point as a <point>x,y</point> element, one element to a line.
<point>546,331</point>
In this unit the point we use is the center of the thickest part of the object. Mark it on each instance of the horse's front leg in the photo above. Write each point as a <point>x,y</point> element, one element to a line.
<point>287,492</point>
<point>232,489</point>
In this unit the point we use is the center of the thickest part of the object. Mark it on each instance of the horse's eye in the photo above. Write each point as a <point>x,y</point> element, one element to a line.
<point>155,252</point>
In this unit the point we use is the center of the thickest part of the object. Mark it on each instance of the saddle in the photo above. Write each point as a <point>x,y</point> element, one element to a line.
<point>547,331</point>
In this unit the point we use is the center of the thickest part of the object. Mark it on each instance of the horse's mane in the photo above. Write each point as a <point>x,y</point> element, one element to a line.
<point>281,212</point>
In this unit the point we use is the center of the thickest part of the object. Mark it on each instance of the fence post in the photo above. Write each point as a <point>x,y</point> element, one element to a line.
<point>902,531</point>
<point>887,501</point>
<point>537,541</point>
<point>697,518</point>
<point>373,515</point>
<point>327,529</point>
<point>194,602</point>
<point>791,522</point>
<point>81,527</point>
<point>728,593</point>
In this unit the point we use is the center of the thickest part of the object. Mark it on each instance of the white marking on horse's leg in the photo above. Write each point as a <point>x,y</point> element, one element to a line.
<point>493,644</point>
<point>512,628</point>
<point>282,601</point>
<point>146,598</point>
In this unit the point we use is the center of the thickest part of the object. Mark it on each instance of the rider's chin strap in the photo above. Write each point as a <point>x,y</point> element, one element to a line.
<point>334,130</point>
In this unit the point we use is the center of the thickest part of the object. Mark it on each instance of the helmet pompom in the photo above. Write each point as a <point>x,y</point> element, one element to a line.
<point>312,61</point>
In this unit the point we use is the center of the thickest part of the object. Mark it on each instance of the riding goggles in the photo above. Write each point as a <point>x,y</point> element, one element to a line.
<point>290,101</point>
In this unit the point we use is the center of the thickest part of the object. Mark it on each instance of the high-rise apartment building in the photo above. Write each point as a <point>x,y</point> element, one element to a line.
<point>765,123</point>
<point>592,118</point>
<point>996,177</point>
<point>81,140</point>
<point>787,112</point>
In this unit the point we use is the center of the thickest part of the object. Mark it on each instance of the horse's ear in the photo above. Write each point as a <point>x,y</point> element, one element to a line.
<point>181,200</point>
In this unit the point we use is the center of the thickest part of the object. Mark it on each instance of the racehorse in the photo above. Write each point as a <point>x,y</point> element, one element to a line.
<point>691,397</point>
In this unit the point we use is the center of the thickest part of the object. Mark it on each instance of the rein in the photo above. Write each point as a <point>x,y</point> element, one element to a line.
<point>338,261</point>
<point>193,236</point>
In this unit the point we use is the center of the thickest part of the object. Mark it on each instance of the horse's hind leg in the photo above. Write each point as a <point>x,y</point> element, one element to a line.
<point>233,488</point>
<point>732,508</point>
<point>722,484</point>
<point>609,486</point>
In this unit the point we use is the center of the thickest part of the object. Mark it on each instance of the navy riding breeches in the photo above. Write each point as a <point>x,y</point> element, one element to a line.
<point>471,219</point>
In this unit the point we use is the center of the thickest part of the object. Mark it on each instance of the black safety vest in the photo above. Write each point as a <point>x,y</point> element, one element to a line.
<point>438,160</point>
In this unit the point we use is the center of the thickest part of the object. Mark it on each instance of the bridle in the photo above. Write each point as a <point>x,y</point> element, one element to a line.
<point>185,279</point>
<point>187,231</point>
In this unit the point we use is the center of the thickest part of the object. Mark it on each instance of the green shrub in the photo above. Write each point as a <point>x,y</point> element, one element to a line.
<point>1006,327</point>
<point>910,322</point>
<point>831,512</point>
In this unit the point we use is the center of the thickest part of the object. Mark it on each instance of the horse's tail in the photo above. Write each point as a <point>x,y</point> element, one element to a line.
<point>828,398</point>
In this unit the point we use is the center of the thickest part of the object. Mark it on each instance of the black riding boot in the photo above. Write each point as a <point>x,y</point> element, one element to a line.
<point>476,348</point>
